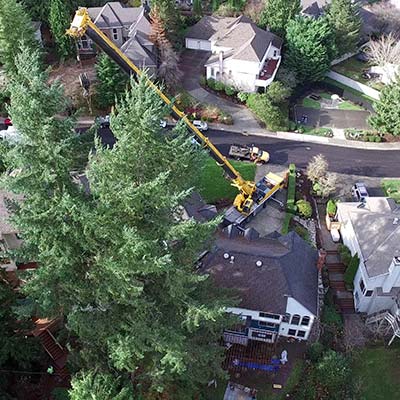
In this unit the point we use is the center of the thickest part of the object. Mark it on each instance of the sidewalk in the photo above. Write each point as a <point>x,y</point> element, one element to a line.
<point>242,128</point>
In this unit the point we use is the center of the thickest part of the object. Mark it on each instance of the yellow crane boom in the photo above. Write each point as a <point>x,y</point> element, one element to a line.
<point>83,25</point>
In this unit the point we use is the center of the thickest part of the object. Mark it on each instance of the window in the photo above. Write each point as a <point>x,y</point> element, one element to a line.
<point>286,318</point>
<point>292,332</point>
<point>369,293</point>
<point>83,42</point>
<point>115,34</point>
<point>295,319</point>
<point>267,315</point>
<point>261,335</point>
<point>267,324</point>
<point>305,321</point>
<point>275,53</point>
<point>362,286</point>
<point>212,71</point>
<point>301,333</point>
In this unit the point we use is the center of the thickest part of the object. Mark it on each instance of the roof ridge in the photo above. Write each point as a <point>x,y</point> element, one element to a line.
<point>114,12</point>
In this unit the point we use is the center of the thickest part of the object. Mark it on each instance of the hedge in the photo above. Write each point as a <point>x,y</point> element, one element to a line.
<point>291,197</point>
<point>351,270</point>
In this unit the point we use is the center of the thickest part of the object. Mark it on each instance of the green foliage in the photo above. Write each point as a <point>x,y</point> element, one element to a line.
<point>215,5</point>
<point>343,16</point>
<point>333,373</point>
<point>59,21</point>
<point>310,45</point>
<point>345,254</point>
<point>242,96</point>
<point>351,270</point>
<point>331,207</point>
<point>315,351</point>
<point>286,223</point>
<point>229,90</point>
<point>391,188</point>
<point>291,195</point>
<point>15,28</point>
<point>100,386</point>
<point>60,394</point>
<point>272,115</point>
<point>112,81</point>
<point>276,15</point>
<point>331,316</point>
<point>387,113</point>
<point>219,86</point>
<point>211,83</point>
<point>196,7</point>
<point>116,263</point>
<point>304,208</point>
<point>278,93</point>
<point>203,80</point>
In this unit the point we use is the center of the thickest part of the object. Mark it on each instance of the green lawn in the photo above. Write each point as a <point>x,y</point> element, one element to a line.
<point>309,130</point>
<point>352,68</point>
<point>310,103</point>
<point>346,105</point>
<point>349,89</point>
<point>213,186</point>
<point>377,372</point>
<point>391,187</point>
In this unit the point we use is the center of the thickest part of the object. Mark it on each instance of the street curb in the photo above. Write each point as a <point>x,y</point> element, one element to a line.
<point>312,139</point>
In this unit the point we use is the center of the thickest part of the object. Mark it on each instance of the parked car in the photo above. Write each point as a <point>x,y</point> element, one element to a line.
<point>359,192</point>
<point>10,135</point>
<point>200,125</point>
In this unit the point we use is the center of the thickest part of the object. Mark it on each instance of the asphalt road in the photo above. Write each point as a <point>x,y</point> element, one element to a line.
<point>344,160</point>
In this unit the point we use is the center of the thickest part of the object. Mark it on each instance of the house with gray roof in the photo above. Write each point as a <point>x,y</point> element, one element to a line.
<point>276,281</point>
<point>372,230</point>
<point>128,28</point>
<point>241,54</point>
<point>314,8</point>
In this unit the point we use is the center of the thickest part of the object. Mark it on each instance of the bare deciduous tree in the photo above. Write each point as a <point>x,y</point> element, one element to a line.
<point>385,50</point>
<point>169,69</point>
<point>327,184</point>
<point>317,168</point>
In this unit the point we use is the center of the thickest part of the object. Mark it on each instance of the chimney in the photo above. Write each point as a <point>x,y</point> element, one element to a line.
<point>221,62</point>
<point>393,278</point>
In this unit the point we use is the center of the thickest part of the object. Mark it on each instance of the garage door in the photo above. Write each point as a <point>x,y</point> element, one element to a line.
<point>198,44</point>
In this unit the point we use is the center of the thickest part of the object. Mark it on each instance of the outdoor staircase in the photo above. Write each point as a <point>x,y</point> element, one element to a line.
<point>384,322</point>
<point>346,305</point>
<point>50,344</point>
<point>336,267</point>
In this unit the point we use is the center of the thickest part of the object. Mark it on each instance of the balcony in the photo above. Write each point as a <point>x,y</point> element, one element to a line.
<point>267,72</point>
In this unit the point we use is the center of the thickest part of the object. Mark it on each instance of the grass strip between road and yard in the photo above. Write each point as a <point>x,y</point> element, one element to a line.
<point>213,186</point>
<point>291,198</point>
<point>391,188</point>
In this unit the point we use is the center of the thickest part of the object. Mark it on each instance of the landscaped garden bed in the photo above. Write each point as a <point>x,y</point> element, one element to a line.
<point>391,188</point>
<point>205,112</point>
<point>363,135</point>
<point>309,130</point>
<point>320,100</point>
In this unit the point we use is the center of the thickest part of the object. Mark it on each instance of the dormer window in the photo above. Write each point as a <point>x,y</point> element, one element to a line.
<point>115,33</point>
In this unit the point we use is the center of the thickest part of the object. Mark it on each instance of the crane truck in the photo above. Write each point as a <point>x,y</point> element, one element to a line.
<point>251,196</point>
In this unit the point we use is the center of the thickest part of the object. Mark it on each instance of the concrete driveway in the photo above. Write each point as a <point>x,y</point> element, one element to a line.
<point>341,119</point>
<point>192,65</point>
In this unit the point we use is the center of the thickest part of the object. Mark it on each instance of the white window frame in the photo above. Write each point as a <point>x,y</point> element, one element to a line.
<point>115,33</point>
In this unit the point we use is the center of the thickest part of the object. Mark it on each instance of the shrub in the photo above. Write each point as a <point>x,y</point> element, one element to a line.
<point>351,270</point>
<point>315,351</point>
<point>242,96</point>
<point>333,373</point>
<point>292,126</point>
<point>291,194</point>
<point>225,118</point>
<point>211,83</point>
<point>229,90</point>
<point>345,254</point>
<point>331,208</point>
<point>286,223</point>
<point>304,208</point>
<point>378,139</point>
<point>331,316</point>
<point>277,92</point>
<point>203,80</point>
<point>219,86</point>
<point>371,138</point>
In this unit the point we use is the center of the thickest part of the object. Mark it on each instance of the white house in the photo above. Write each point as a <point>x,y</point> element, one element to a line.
<point>9,239</point>
<point>277,281</point>
<point>128,28</point>
<point>242,54</point>
<point>372,230</point>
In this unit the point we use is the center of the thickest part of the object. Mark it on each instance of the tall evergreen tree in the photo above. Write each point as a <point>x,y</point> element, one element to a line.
<point>387,111</point>
<point>111,81</point>
<point>150,312</point>
<point>197,9</point>
<point>344,17</point>
<point>310,48</point>
<point>276,15</point>
<point>59,20</point>
<point>116,263</point>
<point>15,28</point>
